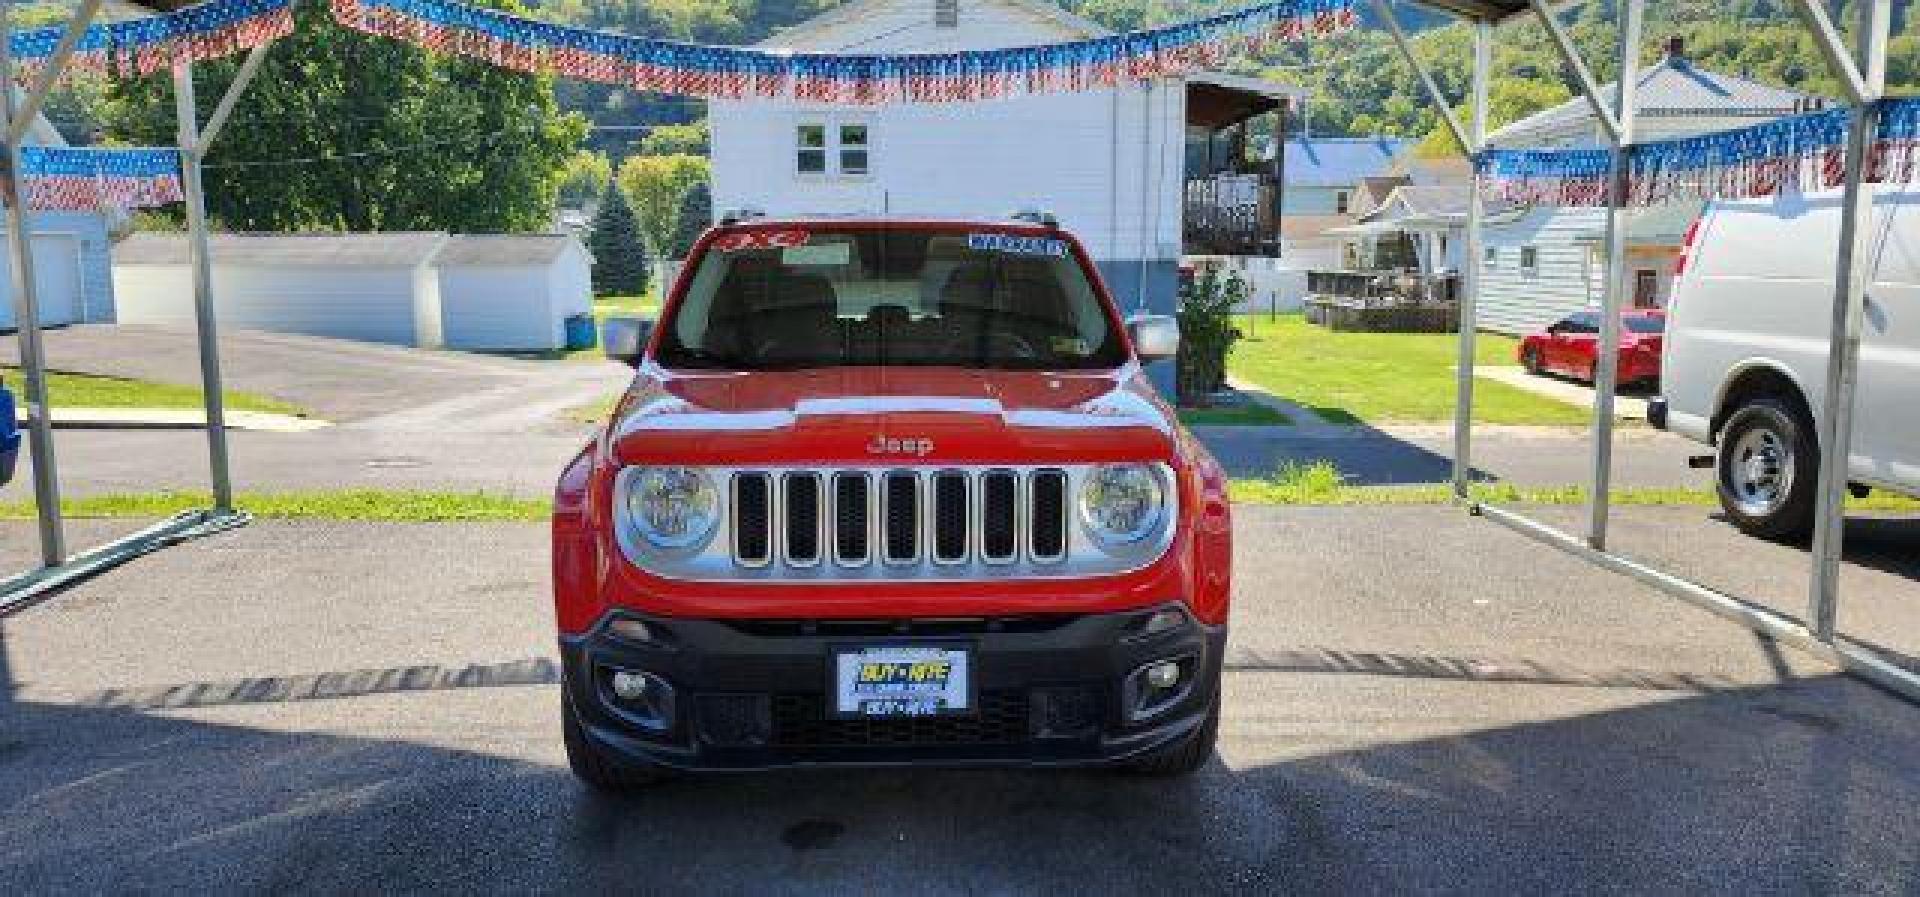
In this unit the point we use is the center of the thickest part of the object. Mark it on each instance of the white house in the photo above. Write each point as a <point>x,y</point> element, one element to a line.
<point>412,289</point>
<point>1108,163</point>
<point>72,270</point>
<point>1542,263</point>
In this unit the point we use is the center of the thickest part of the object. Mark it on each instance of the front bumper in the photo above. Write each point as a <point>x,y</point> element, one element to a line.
<point>1050,691</point>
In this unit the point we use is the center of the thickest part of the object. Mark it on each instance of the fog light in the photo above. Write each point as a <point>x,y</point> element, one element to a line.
<point>633,686</point>
<point>1163,675</point>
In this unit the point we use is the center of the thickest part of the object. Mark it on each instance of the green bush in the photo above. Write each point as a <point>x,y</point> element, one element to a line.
<point>1207,334</point>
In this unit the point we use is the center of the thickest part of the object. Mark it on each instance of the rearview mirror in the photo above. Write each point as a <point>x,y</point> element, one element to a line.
<point>1155,337</point>
<point>625,339</point>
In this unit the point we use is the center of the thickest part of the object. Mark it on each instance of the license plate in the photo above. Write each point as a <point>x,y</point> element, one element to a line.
<point>909,680</point>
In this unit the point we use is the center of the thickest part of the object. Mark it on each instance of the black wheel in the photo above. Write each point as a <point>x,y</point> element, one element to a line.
<point>1767,470</point>
<point>592,765</point>
<point>1186,756</point>
<point>1531,360</point>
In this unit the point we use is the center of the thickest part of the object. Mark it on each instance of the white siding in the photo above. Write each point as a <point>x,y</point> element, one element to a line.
<point>498,307</point>
<point>1566,280</point>
<point>569,290</point>
<point>57,280</point>
<point>1108,163</point>
<point>369,304</point>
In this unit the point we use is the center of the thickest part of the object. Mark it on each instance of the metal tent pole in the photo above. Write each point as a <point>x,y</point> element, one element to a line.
<point>1469,302</point>
<point>18,117</point>
<point>1606,378</point>
<point>1868,82</point>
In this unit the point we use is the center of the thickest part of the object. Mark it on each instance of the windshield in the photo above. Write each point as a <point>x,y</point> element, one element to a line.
<point>787,299</point>
<point>1647,324</point>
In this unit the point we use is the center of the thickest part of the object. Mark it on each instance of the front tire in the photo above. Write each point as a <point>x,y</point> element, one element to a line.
<point>1767,470</point>
<point>1189,754</point>
<point>594,766</point>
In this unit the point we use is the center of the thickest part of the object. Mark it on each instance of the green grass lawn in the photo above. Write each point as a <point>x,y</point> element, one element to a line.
<point>91,391</point>
<point>1235,416</point>
<point>1382,378</point>
<point>383,505</point>
<point>1321,483</point>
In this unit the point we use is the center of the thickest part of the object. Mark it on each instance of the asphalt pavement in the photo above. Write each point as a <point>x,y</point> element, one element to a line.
<point>1417,700</point>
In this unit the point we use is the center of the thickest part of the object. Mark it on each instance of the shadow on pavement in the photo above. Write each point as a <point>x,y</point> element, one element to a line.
<point>1811,785</point>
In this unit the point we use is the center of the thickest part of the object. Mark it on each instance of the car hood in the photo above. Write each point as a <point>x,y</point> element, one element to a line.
<point>892,416</point>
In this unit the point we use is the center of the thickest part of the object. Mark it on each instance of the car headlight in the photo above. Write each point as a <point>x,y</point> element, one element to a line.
<point>671,507</point>
<point>1122,503</point>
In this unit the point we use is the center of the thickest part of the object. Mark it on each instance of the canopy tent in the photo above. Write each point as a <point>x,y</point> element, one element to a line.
<point>1875,138</point>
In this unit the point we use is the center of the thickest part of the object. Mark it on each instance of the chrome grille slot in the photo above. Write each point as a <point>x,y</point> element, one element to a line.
<point>1000,516</point>
<point>900,510</point>
<point>752,519</point>
<point>951,513</point>
<point>852,519</point>
<point>800,504</point>
<point>899,524</point>
<point>1047,515</point>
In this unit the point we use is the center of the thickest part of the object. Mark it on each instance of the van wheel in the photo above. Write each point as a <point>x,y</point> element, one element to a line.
<point>1767,470</point>
<point>592,765</point>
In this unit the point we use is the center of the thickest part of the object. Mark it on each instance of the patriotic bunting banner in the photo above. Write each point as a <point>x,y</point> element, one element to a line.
<point>1801,152</point>
<point>526,45</point>
<point>83,179</point>
<point>143,46</point>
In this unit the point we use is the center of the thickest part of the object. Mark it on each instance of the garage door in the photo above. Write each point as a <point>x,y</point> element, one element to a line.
<point>56,270</point>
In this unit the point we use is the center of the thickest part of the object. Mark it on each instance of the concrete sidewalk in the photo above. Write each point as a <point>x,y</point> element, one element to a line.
<point>1571,392</point>
<point>1416,701</point>
<point>173,419</point>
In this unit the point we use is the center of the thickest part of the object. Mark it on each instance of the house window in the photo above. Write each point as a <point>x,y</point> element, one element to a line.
<point>1530,259</point>
<point>844,148</point>
<point>1341,201</point>
<point>946,13</point>
<point>1493,255</point>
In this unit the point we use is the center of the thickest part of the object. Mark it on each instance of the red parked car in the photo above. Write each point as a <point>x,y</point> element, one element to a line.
<point>1571,346</point>
<point>890,492</point>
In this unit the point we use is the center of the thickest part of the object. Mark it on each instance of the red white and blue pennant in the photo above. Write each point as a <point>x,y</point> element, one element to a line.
<point>716,72</point>
<point>1792,154</point>
<point>143,46</point>
<point>85,178</point>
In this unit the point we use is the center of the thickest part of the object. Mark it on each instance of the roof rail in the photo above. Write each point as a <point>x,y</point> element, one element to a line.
<point>735,216</point>
<point>1041,217</point>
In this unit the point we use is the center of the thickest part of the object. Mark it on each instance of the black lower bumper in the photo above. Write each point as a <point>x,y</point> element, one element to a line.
<point>1657,413</point>
<point>1049,691</point>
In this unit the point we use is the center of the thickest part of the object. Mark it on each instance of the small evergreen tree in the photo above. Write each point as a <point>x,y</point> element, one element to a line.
<point>619,255</point>
<point>696,215</point>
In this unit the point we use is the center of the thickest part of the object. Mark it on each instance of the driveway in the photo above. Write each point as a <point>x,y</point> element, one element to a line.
<point>1416,701</point>
<point>338,380</point>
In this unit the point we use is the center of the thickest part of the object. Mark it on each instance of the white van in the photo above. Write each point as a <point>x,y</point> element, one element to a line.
<point>1746,352</point>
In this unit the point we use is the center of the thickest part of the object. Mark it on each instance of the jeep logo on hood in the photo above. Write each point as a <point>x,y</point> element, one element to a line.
<point>919,447</point>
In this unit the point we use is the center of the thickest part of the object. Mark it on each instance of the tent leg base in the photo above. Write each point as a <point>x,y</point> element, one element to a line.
<point>21,592</point>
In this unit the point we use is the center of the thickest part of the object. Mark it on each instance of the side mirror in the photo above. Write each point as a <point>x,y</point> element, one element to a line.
<point>625,339</point>
<point>1155,337</point>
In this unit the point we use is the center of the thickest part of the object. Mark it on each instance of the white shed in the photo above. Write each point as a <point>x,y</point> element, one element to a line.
<point>71,273</point>
<point>425,289</point>
<point>512,291</point>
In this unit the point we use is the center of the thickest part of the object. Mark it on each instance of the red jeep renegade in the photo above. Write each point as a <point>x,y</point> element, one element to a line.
<point>889,492</point>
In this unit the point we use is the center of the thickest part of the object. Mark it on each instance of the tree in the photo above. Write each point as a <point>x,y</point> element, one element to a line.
<point>1507,102</point>
<point>676,140</point>
<point>696,215</point>
<point>584,177</point>
<point>355,132</point>
<point>657,186</point>
<point>619,257</point>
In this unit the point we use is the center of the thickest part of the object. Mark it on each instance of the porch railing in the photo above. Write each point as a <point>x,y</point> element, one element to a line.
<point>1232,214</point>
